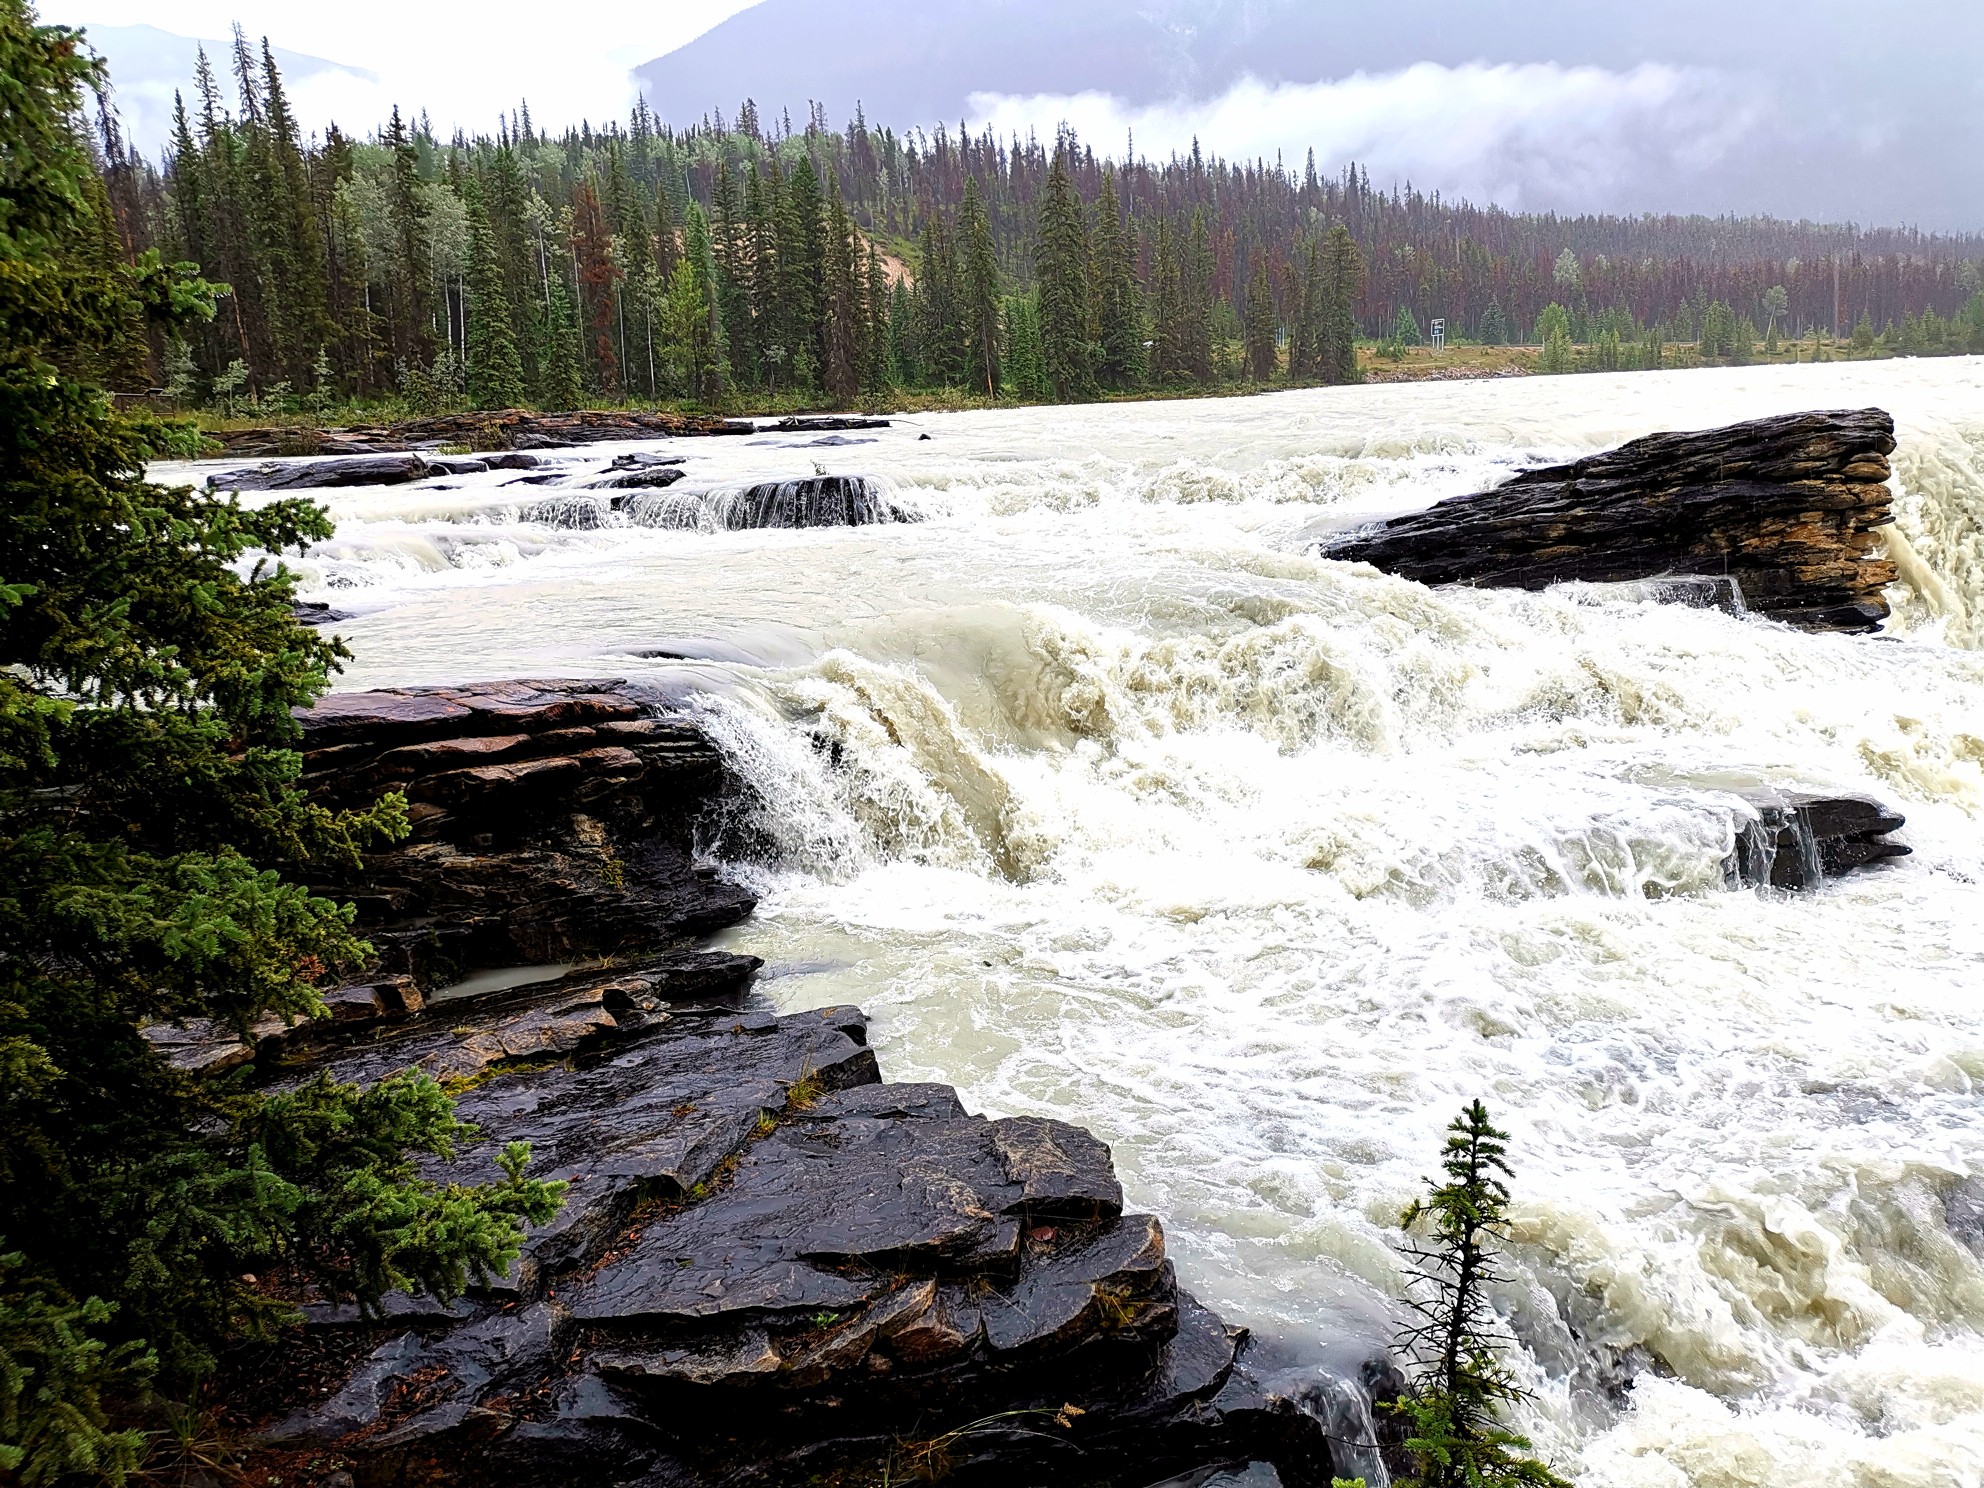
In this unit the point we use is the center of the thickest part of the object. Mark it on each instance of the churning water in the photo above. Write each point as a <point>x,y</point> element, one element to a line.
<point>1111,804</point>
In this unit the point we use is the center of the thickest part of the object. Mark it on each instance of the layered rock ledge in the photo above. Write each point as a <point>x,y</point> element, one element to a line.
<point>1788,508</point>
<point>772,1268</point>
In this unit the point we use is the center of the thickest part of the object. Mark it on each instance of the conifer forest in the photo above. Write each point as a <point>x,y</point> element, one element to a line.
<point>753,260</point>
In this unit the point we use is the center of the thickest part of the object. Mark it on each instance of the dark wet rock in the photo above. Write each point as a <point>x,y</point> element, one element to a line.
<point>820,501</point>
<point>828,424</point>
<point>643,460</point>
<point>1788,508</point>
<point>642,478</point>
<point>551,821</point>
<point>317,475</point>
<point>315,612</point>
<point>1799,838</point>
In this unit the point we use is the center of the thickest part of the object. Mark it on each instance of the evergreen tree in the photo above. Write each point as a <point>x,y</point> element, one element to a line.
<point>1061,268</point>
<point>1454,1408</point>
<point>941,345</point>
<point>156,849</point>
<point>1306,333</point>
<point>1026,362</point>
<point>731,245</point>
<point>560,358</point>
<point>843,281</point>
<point>695,316</point>
<point>1119,303</point>
<point>878,374</point>
<point>1343,268</point>
<point>1196,295</point>
<point>978,290</point>
<point>1262,326</point>
<point>494,367</point>
<point>1169,362</point>
<point>796,287</point>
<point>407,272</point>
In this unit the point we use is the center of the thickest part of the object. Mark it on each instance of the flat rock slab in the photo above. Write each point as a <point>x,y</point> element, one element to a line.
<point>317,475</point>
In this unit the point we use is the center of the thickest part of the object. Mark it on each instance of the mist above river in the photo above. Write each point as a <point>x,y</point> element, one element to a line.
<point>1110,803</point>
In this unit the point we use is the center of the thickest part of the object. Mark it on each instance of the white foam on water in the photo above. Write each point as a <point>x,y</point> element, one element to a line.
<point>1109,803</point>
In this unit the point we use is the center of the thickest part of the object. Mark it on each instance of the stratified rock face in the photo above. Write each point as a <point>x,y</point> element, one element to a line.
<point>1788,507</point>
<point>551,820</point>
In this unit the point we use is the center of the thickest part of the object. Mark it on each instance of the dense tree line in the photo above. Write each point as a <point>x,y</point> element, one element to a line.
<point>750,259</point>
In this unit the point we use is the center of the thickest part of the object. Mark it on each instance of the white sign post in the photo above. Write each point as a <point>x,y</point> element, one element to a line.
<point>1439,335</point>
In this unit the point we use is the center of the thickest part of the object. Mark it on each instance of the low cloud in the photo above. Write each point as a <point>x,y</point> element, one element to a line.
<point>1529,136</point>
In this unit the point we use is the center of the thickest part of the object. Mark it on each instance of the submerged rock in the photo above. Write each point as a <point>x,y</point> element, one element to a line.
<point>1787,509</point>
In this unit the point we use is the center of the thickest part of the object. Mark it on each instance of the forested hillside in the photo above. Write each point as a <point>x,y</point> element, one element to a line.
<point>751,257</point>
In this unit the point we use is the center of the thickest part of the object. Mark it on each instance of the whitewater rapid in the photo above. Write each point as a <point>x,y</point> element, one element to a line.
<point>1109,803</point>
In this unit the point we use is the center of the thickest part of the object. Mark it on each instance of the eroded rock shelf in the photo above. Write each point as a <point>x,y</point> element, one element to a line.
<point>1789,508</point>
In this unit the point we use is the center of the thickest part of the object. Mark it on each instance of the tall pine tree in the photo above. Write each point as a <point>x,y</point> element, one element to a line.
<point>1061,270</point>
<point>495,369</point>
<point>978,290</point>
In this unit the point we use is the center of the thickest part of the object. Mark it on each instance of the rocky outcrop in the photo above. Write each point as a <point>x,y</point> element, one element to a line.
<point>828,424</point>
<point>1799,839</point>
<point>1789,508</point>
<point>771,1269</point>
<point>551,821</point>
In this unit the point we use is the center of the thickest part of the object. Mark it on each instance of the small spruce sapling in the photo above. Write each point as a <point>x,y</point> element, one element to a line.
<point>1454,1409</point>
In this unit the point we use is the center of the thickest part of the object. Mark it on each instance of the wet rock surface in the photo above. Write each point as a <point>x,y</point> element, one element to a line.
<point>1788,508</point>
<point>551,821</point>
<point>771,1265</point>
<point>1800,838</point>
<point>771,1268</point>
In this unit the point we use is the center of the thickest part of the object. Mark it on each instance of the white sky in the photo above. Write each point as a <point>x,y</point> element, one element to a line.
<point>463,62</point>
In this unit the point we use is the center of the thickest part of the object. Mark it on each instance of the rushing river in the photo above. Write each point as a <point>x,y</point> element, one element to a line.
<point>1110,804</point>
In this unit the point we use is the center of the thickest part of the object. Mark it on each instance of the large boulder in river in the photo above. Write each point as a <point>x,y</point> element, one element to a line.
<point>1789,508</point>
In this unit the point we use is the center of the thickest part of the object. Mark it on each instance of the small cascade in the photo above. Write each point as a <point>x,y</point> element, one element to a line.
<point>569,513</point>
<point>1689,591</point>
<point>817,501</point>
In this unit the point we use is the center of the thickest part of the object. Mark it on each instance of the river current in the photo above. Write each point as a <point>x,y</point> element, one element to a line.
<point>1110,804</point>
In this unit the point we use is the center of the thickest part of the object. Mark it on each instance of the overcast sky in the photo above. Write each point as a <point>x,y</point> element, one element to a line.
<point>1866,110</point>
